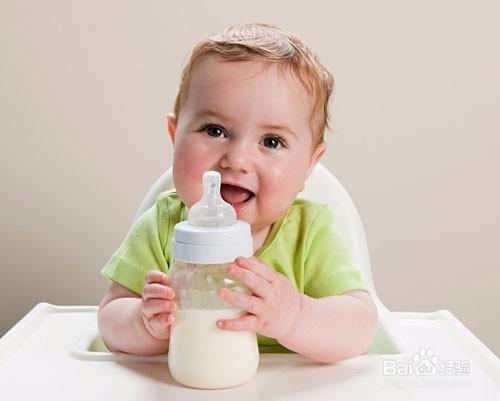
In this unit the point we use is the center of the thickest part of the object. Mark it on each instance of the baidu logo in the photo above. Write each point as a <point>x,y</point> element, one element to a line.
<point>425,363</point>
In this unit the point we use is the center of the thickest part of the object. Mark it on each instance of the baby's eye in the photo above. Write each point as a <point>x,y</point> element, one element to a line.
<point>273,142</point>
<point>213,130</point>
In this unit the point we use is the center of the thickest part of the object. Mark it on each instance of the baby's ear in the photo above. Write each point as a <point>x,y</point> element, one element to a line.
<point>316,157</point>
<point>320,151</point>
<point>171,125</point>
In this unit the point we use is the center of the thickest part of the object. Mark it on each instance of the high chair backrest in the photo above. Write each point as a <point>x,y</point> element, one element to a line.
<point>322,187</point>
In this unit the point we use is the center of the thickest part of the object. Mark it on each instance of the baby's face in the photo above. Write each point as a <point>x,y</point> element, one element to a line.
<point>250,122</point>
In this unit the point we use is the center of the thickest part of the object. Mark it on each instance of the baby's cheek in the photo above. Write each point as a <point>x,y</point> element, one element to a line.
<point>280,188</point>
<point>272,207</point>
<point>188,172</point>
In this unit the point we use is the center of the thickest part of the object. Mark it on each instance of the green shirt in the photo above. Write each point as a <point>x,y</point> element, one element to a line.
<point>304,245</point>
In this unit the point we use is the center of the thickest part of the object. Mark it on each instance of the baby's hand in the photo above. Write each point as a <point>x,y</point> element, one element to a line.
<point>158,304</point>
<point>273,305</point>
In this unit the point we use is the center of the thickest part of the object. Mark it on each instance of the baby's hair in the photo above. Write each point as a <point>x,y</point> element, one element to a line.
<point>268,43</point>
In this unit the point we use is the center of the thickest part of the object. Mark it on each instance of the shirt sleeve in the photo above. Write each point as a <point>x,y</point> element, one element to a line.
<point>141,251</point>
<point>329,268</point>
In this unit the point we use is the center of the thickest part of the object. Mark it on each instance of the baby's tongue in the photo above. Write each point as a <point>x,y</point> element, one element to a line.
<point>232,194</point>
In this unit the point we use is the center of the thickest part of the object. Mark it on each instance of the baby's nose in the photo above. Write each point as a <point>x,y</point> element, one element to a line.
<point>237,157</point>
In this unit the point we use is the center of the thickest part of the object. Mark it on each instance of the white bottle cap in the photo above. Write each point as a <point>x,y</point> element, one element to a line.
<point>211,234</point>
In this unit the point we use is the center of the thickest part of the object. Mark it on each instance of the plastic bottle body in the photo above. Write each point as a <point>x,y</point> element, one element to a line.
<point>200,354</point>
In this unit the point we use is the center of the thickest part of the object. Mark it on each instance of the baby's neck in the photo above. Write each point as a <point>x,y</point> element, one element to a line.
<point>260,237</point>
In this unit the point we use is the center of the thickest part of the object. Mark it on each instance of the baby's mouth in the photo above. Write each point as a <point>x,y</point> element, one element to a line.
<point>235,195</point>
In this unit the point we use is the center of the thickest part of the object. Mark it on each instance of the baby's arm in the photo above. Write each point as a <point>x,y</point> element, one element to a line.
<point>135,325</point>
<point>333,328</point>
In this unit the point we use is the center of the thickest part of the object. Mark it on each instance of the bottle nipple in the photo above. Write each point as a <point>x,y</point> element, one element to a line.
<point>211,210</point>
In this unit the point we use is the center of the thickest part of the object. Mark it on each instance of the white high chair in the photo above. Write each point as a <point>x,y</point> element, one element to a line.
<point>55,352</point>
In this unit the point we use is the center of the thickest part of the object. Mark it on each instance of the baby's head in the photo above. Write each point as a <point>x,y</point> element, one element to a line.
<point>252,105</point>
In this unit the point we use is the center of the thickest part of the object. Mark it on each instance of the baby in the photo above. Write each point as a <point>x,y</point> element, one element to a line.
<point>252,105</point>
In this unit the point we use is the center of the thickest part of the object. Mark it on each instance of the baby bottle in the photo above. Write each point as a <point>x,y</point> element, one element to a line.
<point>200,354</point>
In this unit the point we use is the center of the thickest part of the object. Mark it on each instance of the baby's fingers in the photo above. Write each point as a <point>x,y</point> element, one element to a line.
<point>156,276</point>
<point>151,307</point>
<point>246,322</point>
<point>159,291</point>
<point>158,325</point>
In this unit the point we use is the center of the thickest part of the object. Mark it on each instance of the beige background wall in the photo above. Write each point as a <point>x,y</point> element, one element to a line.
<point>85,86</point>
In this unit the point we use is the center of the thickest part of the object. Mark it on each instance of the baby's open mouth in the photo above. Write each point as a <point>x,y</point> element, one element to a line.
<point>235,195</point>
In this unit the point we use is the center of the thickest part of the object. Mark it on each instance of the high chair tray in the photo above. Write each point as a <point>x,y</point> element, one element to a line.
<point>53,354</point>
